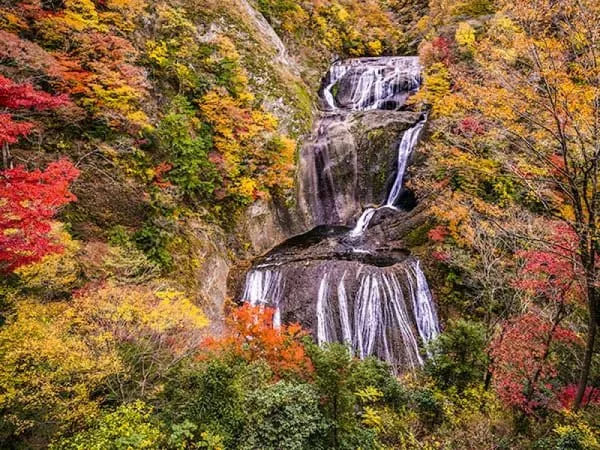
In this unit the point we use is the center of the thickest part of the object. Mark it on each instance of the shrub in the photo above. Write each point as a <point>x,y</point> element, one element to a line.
<point>131,426</point>
<point>458,358</point>
<point>283,416</point>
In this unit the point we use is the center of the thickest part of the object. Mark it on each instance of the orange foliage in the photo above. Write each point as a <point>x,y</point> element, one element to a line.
<point>251,336</point>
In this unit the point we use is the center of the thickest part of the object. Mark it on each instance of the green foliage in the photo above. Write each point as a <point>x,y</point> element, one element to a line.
<point>283,416</point>
<point>418,236</point>
<point>209,395</point>
<point>458,356</point>
<point>131,426</point>
<point>429,407</point>
<point>334,368</point>
<point>153,241</point>
<point>186,142</point>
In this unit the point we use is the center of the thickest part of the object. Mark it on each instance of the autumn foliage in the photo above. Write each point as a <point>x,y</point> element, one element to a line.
<point>524,370</point>
<point>14,96</point>
<point>251,336</point>
<point>551,271</point>
<point>28,201</point>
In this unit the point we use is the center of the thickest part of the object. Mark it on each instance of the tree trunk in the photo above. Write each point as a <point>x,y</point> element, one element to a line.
<point>5,156</point>
<point>587,362</point>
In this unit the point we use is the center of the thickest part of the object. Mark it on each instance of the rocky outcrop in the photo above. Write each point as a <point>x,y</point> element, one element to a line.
<point>202,265</point>
<point>348,164</point>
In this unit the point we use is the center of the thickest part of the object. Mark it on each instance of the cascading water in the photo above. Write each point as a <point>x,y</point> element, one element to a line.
<point>423,305</point>
<point>265,287</point>
<point>380,83</point>
<point>407,145</point>
<point>405,148</point>
<point>378,304</point>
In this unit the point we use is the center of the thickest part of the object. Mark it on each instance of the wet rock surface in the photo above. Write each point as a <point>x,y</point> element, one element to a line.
<point>346,274</point>
<point>348,164</point>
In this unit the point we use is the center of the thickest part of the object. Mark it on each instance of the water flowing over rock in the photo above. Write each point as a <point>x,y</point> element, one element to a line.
<point>336,280</point>
<point>363,84</point>
<point>383,311</point>
<point>407,145</point>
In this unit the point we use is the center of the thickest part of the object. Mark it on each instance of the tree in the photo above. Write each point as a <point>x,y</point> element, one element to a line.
<point>524,371</point>
<point>14,97</point>
<point>337,380</point>
<point>28,201</point>
<point>130,426</point>
<point>458,357</point>
<point>531,93</point>
<point>545,94</point>
<point>283,416</point>
<point>60,361</point>
<point>51,378</point>
<point>252,337</point>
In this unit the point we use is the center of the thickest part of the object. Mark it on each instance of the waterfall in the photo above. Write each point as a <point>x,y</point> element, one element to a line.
<point>265,287</point>
<point>324,328</point>
<point>336,72</point>
<point>407,145</point>
<point>380,83</point>
<point>372,297</point>
<point>381,323</point>
<point>363,222</point>
<point>405,149</point>
<point>423,305</point>
<point>343,311</point>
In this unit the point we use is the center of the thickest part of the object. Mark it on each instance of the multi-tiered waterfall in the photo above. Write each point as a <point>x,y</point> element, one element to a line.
<point>337,280</point>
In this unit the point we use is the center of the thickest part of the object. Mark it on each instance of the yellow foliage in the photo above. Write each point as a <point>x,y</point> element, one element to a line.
<point>452,208</point>
<point>56,358</point>
<point>348,27</point>
<point>371,419</point>
<point>247,187</point>
<point>56,272</point>
<point>239,134</point>
<point>465,36</point>
<point>157,52</point>
<point>586,436</point>
<point>121,14</point>
<point>49,376</point>
<point>11,22</point>
<point>80,15</point>
<point>375,48</point>
<point>127,264</point>
<point>141,312</point>
<point>436,91</point>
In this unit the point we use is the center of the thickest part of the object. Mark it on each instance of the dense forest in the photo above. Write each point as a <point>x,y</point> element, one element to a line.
<point>311,224</point>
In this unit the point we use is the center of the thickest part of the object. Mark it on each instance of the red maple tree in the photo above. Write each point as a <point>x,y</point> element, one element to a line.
<point>28,201</point>
<point>522,363</point>
<point>524,372</point>
<point>552,272</point>
<point>14,96</point>
<point>251,336</point>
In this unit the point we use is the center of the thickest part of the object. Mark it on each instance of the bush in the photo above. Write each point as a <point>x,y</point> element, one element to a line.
<point>283,416</point>
<point>210,395</point>
<point>56,275</point>
<point>458,358</point>
<point>187,142</point>
<point>131,426</point>
<point>334,367</point>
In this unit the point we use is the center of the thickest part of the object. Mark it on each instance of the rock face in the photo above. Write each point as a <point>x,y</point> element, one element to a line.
<point>349,163</point>
<point>378,304</point>
<point>201,264</point>
<point>346,275</point>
